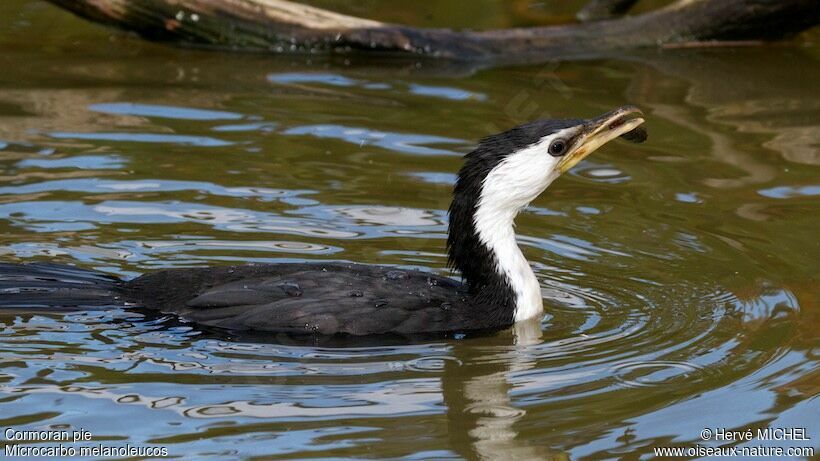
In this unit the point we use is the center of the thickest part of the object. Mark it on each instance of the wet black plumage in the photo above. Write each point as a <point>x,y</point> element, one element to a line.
<point>295,298</point>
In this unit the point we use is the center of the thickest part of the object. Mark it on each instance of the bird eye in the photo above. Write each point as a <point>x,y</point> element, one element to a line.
<point>558,147</point>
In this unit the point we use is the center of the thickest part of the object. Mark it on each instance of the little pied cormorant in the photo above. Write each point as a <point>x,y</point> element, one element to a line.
<point>498,179</point>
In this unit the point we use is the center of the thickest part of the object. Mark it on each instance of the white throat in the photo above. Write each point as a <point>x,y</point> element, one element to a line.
<point>507,189</point>
<point>499,236</point>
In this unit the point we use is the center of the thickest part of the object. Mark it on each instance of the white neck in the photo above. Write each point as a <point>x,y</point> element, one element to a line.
<point>506,190</point>
<point>496,231</point>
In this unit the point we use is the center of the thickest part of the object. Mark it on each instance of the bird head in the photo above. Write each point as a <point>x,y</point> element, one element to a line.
<point>499,178</point>
<point>510,169</point>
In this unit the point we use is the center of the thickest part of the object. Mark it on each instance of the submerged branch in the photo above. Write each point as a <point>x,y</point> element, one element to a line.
<point>284,26</point>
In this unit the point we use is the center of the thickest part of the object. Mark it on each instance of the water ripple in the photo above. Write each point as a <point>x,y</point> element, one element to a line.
<point>652,373</point>
<point>399,142</point>
<point>83,162</point>
<point>183,140</point>
<point>436,91</point>
<point>153,110</point>
<point>95,185</point>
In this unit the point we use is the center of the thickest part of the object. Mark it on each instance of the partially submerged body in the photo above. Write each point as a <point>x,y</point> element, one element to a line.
<point>498,179</point>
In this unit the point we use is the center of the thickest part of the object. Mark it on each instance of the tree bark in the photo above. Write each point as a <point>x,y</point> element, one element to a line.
<point>283,26</point>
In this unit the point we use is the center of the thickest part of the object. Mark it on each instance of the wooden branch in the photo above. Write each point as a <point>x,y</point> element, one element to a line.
<point>283,26</point>
<point>596,10</point>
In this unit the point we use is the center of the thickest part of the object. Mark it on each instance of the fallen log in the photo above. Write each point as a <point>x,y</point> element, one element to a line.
<point>286,27</point>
